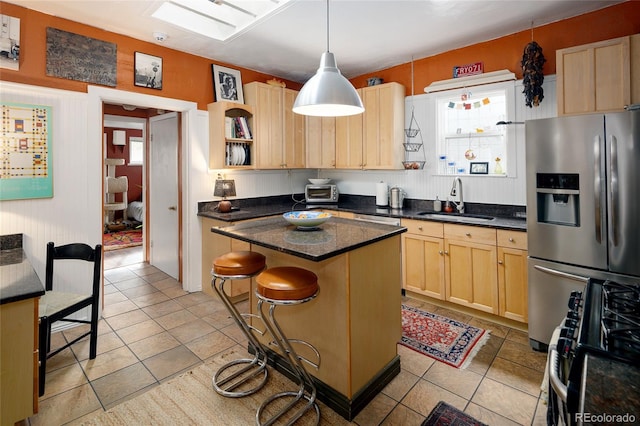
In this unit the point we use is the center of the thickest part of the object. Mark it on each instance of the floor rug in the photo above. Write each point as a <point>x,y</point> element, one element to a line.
<point>446,340</point>
<point>122,239</point>
<point>445,414</point>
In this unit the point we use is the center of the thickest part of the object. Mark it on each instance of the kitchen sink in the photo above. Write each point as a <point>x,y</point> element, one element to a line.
<point>457,217</point>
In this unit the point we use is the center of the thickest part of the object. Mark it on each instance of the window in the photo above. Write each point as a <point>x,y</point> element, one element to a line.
<point>468,132</point>
<point>136,151</point>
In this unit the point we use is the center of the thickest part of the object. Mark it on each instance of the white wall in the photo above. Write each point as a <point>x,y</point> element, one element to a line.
<point>424,184</point>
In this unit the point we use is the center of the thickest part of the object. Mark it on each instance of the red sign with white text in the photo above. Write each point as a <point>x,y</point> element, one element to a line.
<point>470,69</point>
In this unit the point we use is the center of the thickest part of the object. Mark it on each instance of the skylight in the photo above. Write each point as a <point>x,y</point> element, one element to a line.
<point>217,19</point>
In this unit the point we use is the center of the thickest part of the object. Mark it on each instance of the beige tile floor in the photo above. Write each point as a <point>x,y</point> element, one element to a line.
<point>152,330</point>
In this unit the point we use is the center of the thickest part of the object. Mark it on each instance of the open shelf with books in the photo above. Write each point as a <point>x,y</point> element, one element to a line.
<point>230,135</point>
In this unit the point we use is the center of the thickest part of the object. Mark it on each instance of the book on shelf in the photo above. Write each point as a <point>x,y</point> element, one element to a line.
<point>228,127</point>
<point>244,125</point>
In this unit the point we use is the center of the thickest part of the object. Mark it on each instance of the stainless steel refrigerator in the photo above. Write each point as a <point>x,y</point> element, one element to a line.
<point>583,209</point>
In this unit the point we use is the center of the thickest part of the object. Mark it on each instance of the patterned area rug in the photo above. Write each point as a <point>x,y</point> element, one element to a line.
<point>441,338</point>
<point>445,414</point>
<point>122,239</point>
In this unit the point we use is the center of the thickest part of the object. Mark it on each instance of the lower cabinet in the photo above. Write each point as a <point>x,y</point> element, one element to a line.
<point>214,245</point>
<point>18,360</point>
<point>471,275</point>
<point>512,275</point>
<point>423,258</point>
<point>481,268</point>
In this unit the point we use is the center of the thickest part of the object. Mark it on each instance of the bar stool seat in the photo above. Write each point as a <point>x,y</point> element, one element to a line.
<point>281,286</point>
<point>228,381</point>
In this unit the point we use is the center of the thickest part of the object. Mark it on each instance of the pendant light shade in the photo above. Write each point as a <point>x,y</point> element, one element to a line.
<point>328,93</point>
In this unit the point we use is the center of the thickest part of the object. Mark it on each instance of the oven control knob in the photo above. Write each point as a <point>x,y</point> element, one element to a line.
<point>573,315</point>
<point>564,346</point>
<point>571,323</point>
<point>574,300</point>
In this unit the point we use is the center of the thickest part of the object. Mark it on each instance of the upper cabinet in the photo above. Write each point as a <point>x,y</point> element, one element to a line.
<point>373,140</point>
<point>278,132</point>
<point>383,126</point>
<point>230,135</point>
<point>321,142</point>
<point>597,77</point>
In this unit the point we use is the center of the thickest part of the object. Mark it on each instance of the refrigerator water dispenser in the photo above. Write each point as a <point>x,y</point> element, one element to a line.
<point>558,197</point>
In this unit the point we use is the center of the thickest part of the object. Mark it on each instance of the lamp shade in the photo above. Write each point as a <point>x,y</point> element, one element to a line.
<point>328,93</point>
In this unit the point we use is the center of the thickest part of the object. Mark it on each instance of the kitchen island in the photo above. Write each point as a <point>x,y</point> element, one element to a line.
<point>355,322</point>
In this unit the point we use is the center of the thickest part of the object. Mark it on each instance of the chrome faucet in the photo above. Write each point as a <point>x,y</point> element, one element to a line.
<point>457,187</point>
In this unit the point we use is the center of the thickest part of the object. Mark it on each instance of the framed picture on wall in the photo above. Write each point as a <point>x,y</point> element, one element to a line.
<point>227,84</point>
<point>148,71</point>
<point>479,168</point>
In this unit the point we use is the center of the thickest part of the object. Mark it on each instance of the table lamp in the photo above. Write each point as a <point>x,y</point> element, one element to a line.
<point>224,188</point>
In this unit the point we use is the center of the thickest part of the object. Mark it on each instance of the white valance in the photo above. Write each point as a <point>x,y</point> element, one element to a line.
<point>472,80</point>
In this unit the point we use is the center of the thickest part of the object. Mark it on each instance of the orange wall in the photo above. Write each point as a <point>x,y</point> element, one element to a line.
<point>506,52</point>
<point>189,77</point>
<point>186,77</point>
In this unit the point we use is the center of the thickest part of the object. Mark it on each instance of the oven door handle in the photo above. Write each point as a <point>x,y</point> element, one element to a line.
<point>561,274</point>
<point>554,361</point>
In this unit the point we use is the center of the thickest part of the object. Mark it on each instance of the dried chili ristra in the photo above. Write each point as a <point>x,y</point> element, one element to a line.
<point>532,63</point>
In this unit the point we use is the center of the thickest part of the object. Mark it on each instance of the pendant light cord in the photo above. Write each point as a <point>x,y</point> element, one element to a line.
<point>327,25</point>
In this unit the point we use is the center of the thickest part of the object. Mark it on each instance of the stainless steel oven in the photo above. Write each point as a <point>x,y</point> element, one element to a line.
<point>594,357</point>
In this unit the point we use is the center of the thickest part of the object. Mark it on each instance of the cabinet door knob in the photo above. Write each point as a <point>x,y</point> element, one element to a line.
<point>446,252</point>
<point>468,234</point>
<point>510,239</point>
<point>499,262</point>
<point>440,252</point>
<point>420,228</point>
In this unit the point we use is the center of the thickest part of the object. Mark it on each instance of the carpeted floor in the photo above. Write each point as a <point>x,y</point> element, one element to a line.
<point>122,239</point>
<point>441,338</point>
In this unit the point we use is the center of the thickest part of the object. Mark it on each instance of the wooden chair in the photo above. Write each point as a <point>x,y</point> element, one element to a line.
<point>57,306</point>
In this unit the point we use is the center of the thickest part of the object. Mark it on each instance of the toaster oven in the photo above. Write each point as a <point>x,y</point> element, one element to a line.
<point>327,193</point>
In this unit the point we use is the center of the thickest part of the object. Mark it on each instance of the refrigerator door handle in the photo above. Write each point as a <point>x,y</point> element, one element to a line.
<point>597,189</point>
<point>614,189</point>
<point>561,274</point>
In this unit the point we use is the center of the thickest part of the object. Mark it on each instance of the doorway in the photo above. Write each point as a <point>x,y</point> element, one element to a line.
<point>189,127</point>
<point>141,147</point>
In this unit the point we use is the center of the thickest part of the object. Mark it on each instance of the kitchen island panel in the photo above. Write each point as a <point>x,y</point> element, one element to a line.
<point>355,322</point>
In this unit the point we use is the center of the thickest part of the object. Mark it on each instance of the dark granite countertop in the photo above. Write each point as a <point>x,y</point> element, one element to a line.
<point>506,217</point>
<point>18,280</point>
<point>334,237</point>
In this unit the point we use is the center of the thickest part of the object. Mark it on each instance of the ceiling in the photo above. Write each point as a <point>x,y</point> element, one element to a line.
<point>364,35</point>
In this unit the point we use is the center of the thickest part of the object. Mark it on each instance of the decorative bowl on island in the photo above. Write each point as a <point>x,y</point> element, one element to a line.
<point>319,181</point>
<point>307,219</point>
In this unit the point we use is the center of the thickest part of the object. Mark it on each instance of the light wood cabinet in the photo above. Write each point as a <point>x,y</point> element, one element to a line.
<point>481,268</point>
<point>214,245</point>
<point>349,133</point>
<point>423,258</point>
<point>321,142</point>
<point>18,360</point>
<point>220,141</point>
<point>470,267</point>
<point>373,140</point>
<point>278,132</point>
<point>512,275</point>
<point>595,77</point>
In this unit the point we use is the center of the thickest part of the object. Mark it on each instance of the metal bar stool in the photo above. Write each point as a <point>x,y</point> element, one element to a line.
<point>233,266</point>
<point>282,286</point>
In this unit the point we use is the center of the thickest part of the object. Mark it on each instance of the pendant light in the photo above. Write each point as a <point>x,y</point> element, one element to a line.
<point>328,93</point>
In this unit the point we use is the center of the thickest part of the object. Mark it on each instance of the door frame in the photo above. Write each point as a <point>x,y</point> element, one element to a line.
<point>99,95</point>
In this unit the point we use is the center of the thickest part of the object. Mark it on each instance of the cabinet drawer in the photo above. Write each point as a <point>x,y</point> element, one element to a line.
<point>474,234</point>
<point>512,239</point>
<point>423,227</point>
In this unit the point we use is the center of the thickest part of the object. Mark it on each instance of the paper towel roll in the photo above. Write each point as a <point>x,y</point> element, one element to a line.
<point>382,194</point>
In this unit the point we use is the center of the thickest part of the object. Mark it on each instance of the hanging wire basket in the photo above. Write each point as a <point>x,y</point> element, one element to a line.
<point>412,132</point>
